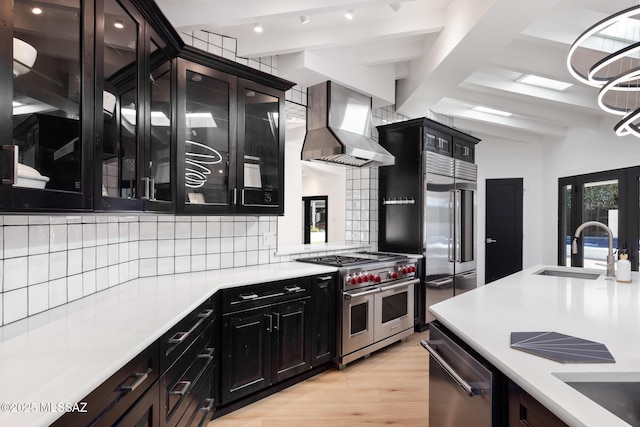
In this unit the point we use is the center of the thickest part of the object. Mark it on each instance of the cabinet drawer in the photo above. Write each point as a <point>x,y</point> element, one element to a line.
<point>201,406</point>
<point>251,296</point>
<point>180,382</point>
<point>107,403</point>
<point>174,343</point>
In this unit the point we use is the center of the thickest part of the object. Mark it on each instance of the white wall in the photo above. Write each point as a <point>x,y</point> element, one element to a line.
<point>498,158</point>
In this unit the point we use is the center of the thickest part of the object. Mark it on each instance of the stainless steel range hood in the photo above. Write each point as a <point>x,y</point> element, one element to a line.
<point>339,128</point>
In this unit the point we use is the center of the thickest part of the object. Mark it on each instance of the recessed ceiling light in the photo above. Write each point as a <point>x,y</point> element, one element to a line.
<point>257,27</point>
<point>349,14</point>
<point>118,24</point>
<point>36,10</point>
<point>491,111</point>
<point>395,6</point>
<point>304,19</point>
<point>544,82</point>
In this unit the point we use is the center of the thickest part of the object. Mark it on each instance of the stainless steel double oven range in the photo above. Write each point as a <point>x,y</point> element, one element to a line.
<point>376,301</point>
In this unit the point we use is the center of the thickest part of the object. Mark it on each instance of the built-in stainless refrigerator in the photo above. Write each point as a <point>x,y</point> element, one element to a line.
<point>449,218</point>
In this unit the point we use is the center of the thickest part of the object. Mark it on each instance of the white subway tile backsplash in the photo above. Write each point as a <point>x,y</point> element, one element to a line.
<point>102,234</point>
<point>198,246</point>
<point>226,260</point>
<point>213,246</point>
<point>239,244</point>
<point>38,296</point>
<point>148,267</point>
<point>74,287</point>
<point>148,230</point>
<point>183,247</point>
<point>198,262</point>
<point>102,278</point>
<point>57,265</point>
<point>226,245</point>
<point>74,262</point>
<point>15,273</point>
<point>166,230</point>
<point>74,236</point>
<point>57,292</point>
<point>38,268</point>
<point>89,235</point>
<point>226,229</point>
<point>114,274</point>
<point>213,229</point>
<point>16,241</point>
<point>213,261</point>
<point>38,239</point>
<point>198,229</point>
<point>15,305</point>
<point>102,256</point>
<point>123,252</point>
<point>166,248</point>
<point>89,258</point>
<point>16,220</point>
<point>183,230</point>
<point>113,256</point>
<point>183,264</point>
<point>166,265</point>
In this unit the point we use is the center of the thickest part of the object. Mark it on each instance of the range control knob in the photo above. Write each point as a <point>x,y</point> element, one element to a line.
<point>413,268</point>
<point>365,277</point>
<point>393,274</point>
<point>372,277</point>
<point>405,270</point>
<point>359,279</point>
<point>378,279</point>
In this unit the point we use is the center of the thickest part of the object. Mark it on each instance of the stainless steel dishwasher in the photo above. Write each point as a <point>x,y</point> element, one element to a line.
<point>464,389</point>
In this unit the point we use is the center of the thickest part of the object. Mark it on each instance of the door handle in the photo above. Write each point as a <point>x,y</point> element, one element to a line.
<point>490,240</point>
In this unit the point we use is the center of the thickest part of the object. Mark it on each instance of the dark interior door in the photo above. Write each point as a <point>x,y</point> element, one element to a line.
<point>503,241</point>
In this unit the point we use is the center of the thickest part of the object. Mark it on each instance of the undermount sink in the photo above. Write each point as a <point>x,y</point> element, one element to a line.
<point>616,392</point>
<point>560,272</point>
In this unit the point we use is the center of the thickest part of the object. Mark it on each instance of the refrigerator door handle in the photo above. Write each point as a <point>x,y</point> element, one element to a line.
<point>439,283</point>
<point>452,225</point>
<point>458,225</point>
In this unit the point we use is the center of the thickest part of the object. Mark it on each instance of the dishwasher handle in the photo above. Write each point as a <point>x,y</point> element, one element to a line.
<point>471,391</point>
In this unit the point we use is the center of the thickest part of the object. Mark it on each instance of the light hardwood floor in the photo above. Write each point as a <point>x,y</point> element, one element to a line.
<point>389,388</point>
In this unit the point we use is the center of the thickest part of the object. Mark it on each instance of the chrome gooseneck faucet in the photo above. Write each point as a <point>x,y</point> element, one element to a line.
<point>610,260</point>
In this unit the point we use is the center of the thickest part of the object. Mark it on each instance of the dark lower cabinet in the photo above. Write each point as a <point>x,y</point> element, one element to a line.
<point>246,345</point>
<point>263,346</point>
<point>291,346</point>
<point>145,412</point>
<point>323,325</point>
<point>526,411</point>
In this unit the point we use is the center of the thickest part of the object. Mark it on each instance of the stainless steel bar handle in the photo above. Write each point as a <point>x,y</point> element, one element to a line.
<point>490,240</point>
<point>399,285</point>
<point>180,337</point>
<point>152,188</point>
<point>295,288</point>
<point>208,404</point>
<point>248,297</point>
<point>458,225</point>
<point>270,327</point>
<point>184,387</point>
<point>439,283</point>
<point>452,222</point>
<point>207,353</point>
<point>146,187</point>
<point>349,295</point>
<point>326,278</point>
<point>276,327</point>
<point>142,376</point>
<point>447,368</point>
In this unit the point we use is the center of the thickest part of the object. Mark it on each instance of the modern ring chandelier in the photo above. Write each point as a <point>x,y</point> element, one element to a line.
<point>607,56</point>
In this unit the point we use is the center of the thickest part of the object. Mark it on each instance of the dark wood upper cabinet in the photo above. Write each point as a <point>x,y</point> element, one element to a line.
<point>110,111</point>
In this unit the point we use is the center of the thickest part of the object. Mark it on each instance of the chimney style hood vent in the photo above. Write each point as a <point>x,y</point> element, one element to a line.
<point>339,128</point>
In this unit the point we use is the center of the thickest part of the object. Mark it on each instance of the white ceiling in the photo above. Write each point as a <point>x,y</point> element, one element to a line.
<point>438,55</point>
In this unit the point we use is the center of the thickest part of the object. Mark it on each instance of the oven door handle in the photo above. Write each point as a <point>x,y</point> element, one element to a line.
<point>471,391</point>
<point>350,295</point>
<point>400,285</point>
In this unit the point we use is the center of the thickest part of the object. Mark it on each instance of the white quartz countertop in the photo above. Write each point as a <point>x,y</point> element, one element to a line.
<point>598,310</point>
<point>61,355</point>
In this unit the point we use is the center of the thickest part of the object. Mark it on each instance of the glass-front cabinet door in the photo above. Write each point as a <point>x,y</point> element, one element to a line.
<point>119,122</point>
<point>158,191</point>
<point>44,161</point>
<point>260,148</point>
<point>206,139</point>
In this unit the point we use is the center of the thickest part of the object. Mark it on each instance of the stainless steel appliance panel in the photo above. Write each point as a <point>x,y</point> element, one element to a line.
<point>460,386</point>
<point>357,320</point>
<point>438,223</point>
<point>437,290</point>
<point>465,224</point>
<point>465,282</point>
<point>394,310</point>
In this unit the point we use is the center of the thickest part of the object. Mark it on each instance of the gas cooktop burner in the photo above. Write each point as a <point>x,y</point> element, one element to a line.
<point>356,258</point>
<point>336,260</point>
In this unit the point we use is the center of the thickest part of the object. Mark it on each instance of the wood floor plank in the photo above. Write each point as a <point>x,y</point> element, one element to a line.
<point>389,388</point>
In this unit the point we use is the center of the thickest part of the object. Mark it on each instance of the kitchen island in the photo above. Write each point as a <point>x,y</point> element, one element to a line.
<point>49,362</point>
<point>599,310</point>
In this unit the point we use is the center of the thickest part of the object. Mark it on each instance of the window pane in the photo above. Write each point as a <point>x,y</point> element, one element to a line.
<point>46,93</point>
<point>599,203</point>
